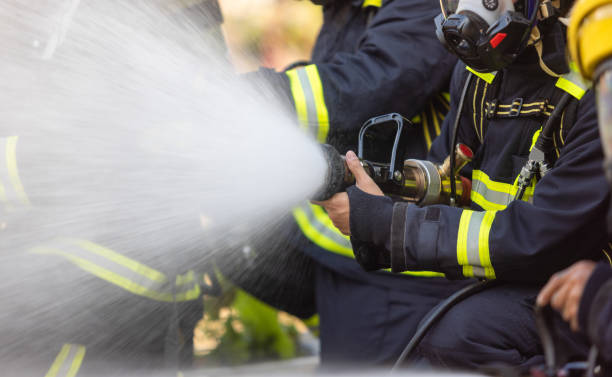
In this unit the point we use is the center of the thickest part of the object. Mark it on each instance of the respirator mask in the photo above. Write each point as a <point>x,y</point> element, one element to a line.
<point>486,34</point>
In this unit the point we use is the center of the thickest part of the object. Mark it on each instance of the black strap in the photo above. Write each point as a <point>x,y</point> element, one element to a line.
<point>398,236</point>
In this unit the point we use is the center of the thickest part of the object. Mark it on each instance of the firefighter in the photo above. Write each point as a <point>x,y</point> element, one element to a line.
<point>371,57</point>
<point>514,84</point>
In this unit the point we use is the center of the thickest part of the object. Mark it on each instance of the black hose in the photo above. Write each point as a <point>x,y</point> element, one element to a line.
<point>453,185</point>
<point>436,313</point>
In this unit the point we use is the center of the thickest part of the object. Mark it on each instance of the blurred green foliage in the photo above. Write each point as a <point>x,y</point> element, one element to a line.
<point>241,329</point>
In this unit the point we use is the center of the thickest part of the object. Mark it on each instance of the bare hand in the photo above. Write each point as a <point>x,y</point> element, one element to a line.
<point>564,291</point>
<point>338,206</point>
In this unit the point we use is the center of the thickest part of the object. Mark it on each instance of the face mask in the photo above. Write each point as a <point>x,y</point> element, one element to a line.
<point>486,34</point>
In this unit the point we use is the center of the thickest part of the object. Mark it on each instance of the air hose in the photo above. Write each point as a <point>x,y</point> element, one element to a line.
<point>436,313</point>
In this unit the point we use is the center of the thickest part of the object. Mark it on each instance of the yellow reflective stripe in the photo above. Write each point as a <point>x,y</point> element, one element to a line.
<point>184,279</point>
<point>120,259</point>
<point>485,204</point>
<point>67,362</point>
<point>473,255</point>
<point>371,3</point>
<point>426,131</point>
<point>317,91</point>
<point>488,77</point>
<point>11,163</point>
<point>59,361</point>
<point>474,107</point>
<point>142,281</point>
<point>324,232</point>
<point>570,87</point>
<point>317,237</point>
<point>12,193</point>
<point>483,244</point>
<point>76,362</point>
<point>492,195</point>
<point>573,83</point>
<point>307,91</point>
<point>462,259</point>
<point>298,98</point>
<point>502,187</point>
<point>435,119</point>
<point>107,275</point>
<point>484,95</point>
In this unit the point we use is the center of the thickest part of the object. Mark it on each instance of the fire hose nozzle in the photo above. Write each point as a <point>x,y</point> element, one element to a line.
<point>419,181</point>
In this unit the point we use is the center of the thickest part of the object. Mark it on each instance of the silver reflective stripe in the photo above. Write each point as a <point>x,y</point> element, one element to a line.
<point>493,196</point>
<point>324,229</point>
<point>122,271</point>
<point>67,362</point>
<point>473,256</point>
<point>12,194</point>
<point>311,104</point>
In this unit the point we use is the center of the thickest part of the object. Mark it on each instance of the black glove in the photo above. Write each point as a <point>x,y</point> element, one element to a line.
<point>370,221</point>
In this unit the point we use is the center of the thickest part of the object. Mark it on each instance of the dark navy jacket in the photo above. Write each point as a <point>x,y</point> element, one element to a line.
<point>367,61</point>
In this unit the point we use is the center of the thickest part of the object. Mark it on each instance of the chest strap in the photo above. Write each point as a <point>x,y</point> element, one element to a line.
<point>517,108</point>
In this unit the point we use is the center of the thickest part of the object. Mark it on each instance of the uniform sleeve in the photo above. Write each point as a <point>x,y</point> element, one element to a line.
<point>596,310</point>
<point>525,241</point>
<point>398,66</point>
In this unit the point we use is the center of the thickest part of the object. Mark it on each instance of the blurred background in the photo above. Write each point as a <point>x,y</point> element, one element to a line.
<point>238,329</point>
<point>272,33</point>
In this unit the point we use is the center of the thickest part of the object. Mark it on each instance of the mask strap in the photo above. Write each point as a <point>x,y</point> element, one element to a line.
<point>535,40</point>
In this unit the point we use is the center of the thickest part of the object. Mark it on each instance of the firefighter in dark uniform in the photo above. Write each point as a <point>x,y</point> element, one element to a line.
<point>520,228</point>
<point>371,57</point>
<point>89,302</point>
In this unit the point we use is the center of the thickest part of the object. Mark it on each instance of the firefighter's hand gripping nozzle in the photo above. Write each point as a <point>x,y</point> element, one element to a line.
<point>418,181</point>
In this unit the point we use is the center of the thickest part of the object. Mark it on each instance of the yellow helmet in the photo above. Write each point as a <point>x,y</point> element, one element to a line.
<point>590,34</point>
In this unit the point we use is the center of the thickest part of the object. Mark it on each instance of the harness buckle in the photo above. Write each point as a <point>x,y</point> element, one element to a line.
<point>515,110</point>
<point>491,109</point>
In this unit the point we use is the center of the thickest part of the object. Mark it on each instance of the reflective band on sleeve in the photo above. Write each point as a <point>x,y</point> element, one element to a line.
<point>123,272</point>
<point>67,362</point>
<point>307,91</point>
<point>321,231</point>
<point>492,195</point>
<point>12,193</point>
<point>473,253</point>
<point>488,77</point>
<point>371,3</point>
<point>318,228</point>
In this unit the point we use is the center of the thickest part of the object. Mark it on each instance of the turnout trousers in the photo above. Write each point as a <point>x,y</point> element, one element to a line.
<point>493,327</point>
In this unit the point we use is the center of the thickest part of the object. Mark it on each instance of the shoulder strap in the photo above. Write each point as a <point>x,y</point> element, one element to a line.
<point>573,84</point>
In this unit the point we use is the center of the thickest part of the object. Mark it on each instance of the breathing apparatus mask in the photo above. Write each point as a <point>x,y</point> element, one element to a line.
<point>486,34</point>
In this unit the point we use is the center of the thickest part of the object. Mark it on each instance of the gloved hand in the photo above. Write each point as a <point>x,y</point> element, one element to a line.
<point>364,213</point>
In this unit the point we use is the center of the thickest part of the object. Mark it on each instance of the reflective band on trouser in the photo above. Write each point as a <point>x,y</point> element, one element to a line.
<point>123,272</point>
<point>492,195</point>
<point>473,244</point>
<point>307,91</point>
<point>318,228</point>
<point>67,362</point>
<point>12,193</point>
<point>573,83</point>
